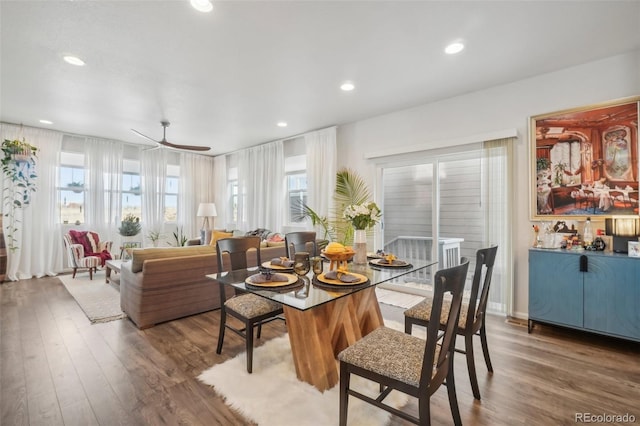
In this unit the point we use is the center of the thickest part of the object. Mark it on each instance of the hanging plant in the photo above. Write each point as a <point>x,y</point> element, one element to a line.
<point>130,225</point>
<point>19,166</point>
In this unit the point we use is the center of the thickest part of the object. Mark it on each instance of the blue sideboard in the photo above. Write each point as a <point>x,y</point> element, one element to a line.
<point>592,291</point>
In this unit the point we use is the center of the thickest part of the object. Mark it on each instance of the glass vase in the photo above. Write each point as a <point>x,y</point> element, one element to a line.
<point>360,246</point>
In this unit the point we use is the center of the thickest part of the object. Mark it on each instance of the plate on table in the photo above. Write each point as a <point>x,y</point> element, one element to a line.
<point>372,255</point>
<point>324,280</point>
<point>291,279</point>
<point>395,264</point>
<point>268,265</point>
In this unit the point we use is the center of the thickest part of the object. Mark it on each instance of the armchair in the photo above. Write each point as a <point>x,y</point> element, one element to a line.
<point>85,250</point>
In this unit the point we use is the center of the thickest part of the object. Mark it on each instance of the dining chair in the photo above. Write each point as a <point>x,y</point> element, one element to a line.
<point>472,314</point>
<point>252,310</point>
<point>408,364</point>
<point>300,241</point>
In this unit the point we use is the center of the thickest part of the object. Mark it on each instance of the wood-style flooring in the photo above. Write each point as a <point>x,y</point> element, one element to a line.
<point>58,369</point>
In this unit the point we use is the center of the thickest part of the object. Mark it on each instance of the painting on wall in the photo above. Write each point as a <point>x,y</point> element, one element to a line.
<point>584,161</point>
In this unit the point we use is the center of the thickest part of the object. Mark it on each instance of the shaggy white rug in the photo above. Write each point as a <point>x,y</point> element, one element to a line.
<point>273,395</point>
<point>99,301</point>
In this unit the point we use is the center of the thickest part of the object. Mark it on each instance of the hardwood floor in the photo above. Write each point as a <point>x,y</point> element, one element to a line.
<point>57,368</point>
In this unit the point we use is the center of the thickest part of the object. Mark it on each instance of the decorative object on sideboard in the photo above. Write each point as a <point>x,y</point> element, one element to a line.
<point>19,166</point>
<point>206,210</point>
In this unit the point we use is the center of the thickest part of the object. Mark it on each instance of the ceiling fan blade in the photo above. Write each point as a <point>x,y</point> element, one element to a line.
<point>144,136</point>
<point>189,147</point>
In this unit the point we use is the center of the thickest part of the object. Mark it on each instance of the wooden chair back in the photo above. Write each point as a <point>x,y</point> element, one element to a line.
<point>485,259</point>
<point>446,281</point>
<point>234,250</point>
<point>300,241</point>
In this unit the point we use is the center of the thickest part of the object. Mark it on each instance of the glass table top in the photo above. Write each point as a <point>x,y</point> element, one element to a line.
<point>308,292</point>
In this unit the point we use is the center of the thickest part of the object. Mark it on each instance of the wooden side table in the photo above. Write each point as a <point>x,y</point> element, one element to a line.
<point>111,265</point>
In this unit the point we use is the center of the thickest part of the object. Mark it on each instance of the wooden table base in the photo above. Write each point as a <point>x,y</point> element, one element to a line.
<point>319,334</point>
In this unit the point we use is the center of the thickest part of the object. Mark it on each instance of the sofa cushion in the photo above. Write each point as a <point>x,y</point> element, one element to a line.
<point>218,235</point>
<point>140,255</point>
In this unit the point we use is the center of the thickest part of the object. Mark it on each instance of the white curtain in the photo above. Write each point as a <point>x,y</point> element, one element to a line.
<point>153,180</point>
<point>39,238</point>
<point>221,197</point>
<point>197,181</point>
<point>103,165</point>
<point>321,169</point>
<point>498,192</point>
<point>261,180</point>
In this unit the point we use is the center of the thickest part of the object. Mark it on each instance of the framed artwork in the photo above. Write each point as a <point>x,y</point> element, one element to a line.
<point>584,161</point>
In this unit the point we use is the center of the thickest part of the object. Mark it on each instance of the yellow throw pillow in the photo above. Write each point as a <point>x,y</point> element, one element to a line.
<point>217,235</point>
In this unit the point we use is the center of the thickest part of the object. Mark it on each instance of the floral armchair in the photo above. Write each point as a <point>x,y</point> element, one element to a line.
<point>85,250</point>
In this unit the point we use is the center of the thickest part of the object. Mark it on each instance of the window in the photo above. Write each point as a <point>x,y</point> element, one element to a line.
<point>296,174</point>
<point>71,190</point>
<point>457,196</point>
<point>296,195</point>
<point>232,190</point>
<point>171,193</point>
<point>131,190</point>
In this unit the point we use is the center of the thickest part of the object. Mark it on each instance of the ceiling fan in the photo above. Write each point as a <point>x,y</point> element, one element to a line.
<point>164,141</point>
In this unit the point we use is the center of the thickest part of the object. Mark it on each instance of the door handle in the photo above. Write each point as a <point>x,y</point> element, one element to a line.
<point>584,263</point>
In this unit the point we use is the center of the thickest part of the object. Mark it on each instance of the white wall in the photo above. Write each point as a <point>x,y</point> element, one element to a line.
<point>503,107</point>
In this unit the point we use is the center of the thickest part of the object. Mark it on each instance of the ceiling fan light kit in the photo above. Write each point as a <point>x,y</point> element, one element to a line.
<point>168,144</point>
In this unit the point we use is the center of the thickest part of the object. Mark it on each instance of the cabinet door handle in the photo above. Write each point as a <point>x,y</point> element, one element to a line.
<point>584,263</point>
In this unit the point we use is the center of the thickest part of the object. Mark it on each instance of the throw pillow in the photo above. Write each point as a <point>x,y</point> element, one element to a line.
<point>217,235</point>
<point>80,237</point>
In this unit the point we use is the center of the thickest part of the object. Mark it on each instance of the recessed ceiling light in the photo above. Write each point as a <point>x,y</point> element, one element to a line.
<point>46,122</point>
<point>73,60</point>
<point>347,86</point>
<point>454,48</point>
<point>282,124</point>
<point>202,5</point>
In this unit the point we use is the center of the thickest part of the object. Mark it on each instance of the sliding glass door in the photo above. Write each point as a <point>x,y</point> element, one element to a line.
<point>440,207</point>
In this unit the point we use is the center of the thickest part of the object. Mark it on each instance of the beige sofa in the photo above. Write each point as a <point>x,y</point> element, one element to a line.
<point>163,284</point>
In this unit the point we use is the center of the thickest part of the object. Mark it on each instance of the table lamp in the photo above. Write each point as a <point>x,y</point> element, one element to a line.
<point>206,210</point>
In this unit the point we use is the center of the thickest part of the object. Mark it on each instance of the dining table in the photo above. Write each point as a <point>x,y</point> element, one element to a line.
<point>323,319</point>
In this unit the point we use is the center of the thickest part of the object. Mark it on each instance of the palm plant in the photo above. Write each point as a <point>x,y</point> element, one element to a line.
<point>351,189</point>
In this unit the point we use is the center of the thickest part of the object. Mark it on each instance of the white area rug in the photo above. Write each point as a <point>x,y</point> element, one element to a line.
<point>273,395</point>
<point>99,301</point>
<point>397,298</point>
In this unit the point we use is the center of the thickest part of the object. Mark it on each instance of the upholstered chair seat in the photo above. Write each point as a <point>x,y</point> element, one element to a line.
<point>389,352</point>
<point>251,306</point>
<point>422,311</point>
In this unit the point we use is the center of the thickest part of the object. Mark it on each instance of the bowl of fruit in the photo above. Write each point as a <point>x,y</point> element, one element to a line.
<point>338,254</point>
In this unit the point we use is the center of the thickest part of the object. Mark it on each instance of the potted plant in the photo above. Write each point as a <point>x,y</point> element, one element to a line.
<point>154,236</point>
<point>351,190</point>
<point>559,170</point>
<point>130,226</point>
<point>76,187</point>
<point>18,165</point>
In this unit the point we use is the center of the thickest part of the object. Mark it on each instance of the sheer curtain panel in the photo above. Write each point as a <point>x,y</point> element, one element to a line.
<point>103,160</point>
<point>221,196</point>
<point>39,235</point>
<point>154,177</point>
<point>262,182</point>
<point>196,186</point>
<point>321,169</point>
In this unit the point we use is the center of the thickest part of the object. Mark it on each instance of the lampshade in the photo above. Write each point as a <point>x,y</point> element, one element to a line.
<point>207,210</point>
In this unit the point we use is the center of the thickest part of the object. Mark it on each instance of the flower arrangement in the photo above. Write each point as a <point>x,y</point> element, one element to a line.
<point>363,216</point>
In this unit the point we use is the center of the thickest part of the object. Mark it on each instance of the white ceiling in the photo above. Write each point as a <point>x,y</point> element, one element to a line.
<point>224,79</point>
